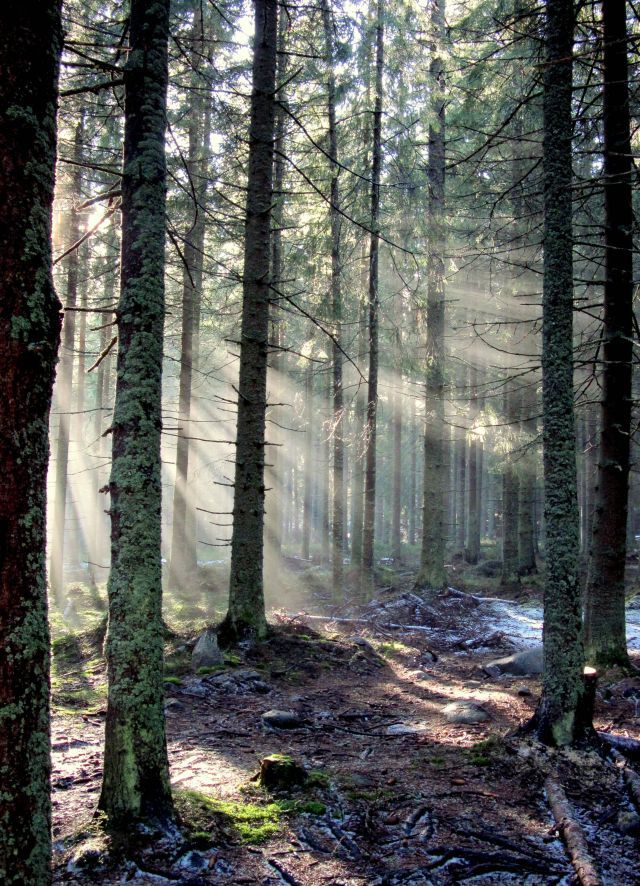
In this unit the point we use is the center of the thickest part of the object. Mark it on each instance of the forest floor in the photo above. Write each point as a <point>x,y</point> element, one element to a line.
<point>395,794</point>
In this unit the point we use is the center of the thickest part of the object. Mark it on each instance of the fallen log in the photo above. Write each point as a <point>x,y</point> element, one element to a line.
<point>572,834</point>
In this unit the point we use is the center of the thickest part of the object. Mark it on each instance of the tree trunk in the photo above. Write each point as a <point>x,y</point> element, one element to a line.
<point>475,475</point>
<point>310,471</point>
<point>30,44</point>
<point>184,562</point>
<point>510,494</point>
<point>136,772</point>
<point>432,572</point>
<point>557,714</point>
<point>337,430</point>
<point>412,504</point>
<point>396,535</point>
<point>369,519</point>
<point>359,423</point>
<point>526,504</point>
<point>605,635</point>
<point>64,383</point>
<point>275,465</point>
<point>246,614</point>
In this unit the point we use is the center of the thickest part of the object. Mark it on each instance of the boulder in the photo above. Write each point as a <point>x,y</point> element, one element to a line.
<point>465,712</point>
<point>283,720</point>
<point>529,661</point>
<point>206,653</point>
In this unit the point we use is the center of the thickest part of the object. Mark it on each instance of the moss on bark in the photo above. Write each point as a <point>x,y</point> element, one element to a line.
<point>30,44</point>
<point>136,772</point>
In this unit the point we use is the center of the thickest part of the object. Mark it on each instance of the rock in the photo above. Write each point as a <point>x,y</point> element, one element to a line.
<point>464,712</point>
<point>283,720</point>
<point>172,704</point>
<point>523,691</point>
<point>405,728</point>
<point>279,772</point>
<point>88,857</point>
<point>193,861</point>
<point>529,661</point>
<point>206,653</point>
<point>629,822</point>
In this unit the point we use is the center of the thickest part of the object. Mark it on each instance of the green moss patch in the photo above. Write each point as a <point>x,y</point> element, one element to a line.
<point>248,823</point>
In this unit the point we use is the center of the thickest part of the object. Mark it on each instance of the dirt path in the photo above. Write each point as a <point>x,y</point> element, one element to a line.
<point>399,795</point>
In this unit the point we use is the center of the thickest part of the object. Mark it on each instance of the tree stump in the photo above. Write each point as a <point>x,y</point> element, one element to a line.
<point>279,772</point>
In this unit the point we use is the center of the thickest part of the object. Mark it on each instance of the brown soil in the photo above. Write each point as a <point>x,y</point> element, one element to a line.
<point>437,803</point>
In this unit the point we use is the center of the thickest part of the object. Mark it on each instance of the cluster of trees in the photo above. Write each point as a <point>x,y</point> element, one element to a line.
<point>329,243</point>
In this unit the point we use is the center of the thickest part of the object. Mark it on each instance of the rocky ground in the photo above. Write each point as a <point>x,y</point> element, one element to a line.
<point>404,728</point>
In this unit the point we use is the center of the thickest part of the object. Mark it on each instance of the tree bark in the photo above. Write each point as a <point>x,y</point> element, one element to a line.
<point>246,613</point>
<point>475,475</point>
<point>368,533</point>
<point>510,493</point>
<point>64,383</point>
<point>136,772</point>
<point>183,539</point>
<point>605,634</point>
<point>432,572</point>
<point>337,429</point>
<point>30,45</point>
<point>557,714</point>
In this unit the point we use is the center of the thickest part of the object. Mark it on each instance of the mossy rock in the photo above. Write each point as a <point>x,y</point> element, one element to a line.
<point>281,773</point>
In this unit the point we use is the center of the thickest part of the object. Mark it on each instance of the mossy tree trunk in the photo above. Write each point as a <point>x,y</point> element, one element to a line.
<point>246,614</point>
<point>30,44</point>
<point>432,572</point>
<point>136,773</point>
<point>556,719</point>
<point>605,634</point>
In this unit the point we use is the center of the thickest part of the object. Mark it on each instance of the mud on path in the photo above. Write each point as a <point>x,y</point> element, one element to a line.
<point>398,794</point>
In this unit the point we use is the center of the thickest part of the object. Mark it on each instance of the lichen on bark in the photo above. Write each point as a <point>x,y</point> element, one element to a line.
<point>30,45</point>
<point>136,773</point>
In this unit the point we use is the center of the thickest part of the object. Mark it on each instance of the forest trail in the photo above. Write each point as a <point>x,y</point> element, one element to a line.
<point>398,795</point>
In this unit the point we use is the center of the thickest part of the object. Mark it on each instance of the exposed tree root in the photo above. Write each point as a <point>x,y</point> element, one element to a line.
<point>627,746</point>
<point>631,777</point>
<point>572,834</point>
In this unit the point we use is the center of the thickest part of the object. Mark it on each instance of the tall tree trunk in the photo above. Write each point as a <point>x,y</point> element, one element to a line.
<point>136,772</point>
<point>474,527</point>
<point>246,614</point>
<point>183,563</point>
<point>337,430</point>
<point>605,636</point>
<point>510,493</point>
<point>64,381</point>
<point>30,44</point>
<point>368,533</point>
<point>309,472</point>
<point>412,473</point>
<point>359,451</point>
<point>432,572</point>
<point>396,535</point>
<point>275,466</point>
<point>526,503</point>
<point>557,716</point>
